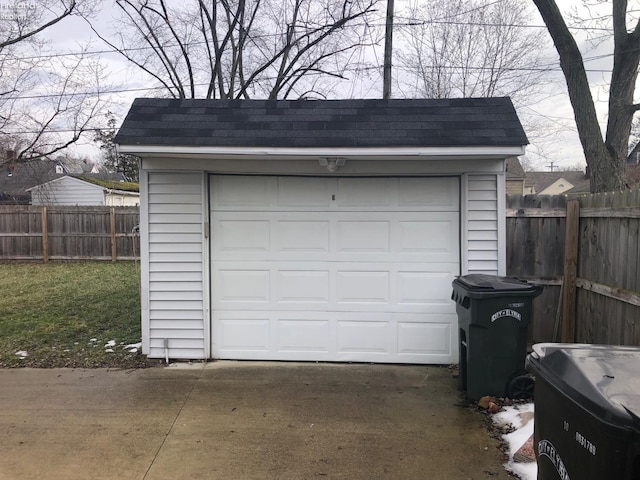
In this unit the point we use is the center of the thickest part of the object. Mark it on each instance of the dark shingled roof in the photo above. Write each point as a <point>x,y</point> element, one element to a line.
<point>322,123</point>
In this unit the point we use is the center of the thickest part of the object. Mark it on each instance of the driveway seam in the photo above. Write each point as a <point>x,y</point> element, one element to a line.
<point>164,440</point>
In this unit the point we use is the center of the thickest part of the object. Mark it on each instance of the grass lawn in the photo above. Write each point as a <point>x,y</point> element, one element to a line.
<point>70,315</point>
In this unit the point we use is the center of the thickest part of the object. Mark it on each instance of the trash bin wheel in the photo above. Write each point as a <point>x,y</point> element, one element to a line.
<point>521,387</point>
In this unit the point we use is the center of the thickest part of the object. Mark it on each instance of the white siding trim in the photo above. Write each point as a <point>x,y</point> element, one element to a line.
<point>175,253</point>
<point>497,151</point>
<point>144,260</point>
<point>464,225</point>
<point>482,220</point>
<point>502,225</point>
<point>370,166</point>
<point>206,266</point>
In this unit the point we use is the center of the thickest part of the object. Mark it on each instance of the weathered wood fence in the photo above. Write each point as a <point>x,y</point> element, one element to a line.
<point>590,270</point>
<point>584,251</point>
<point>69,233</point>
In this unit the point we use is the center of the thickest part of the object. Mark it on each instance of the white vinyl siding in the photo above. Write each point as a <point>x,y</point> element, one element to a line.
<point>483,232</point>
<point>175,265</point>
<point>115,199</point>
<point>67,191</point>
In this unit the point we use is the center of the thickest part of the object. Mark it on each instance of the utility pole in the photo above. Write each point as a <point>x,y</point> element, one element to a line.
<point>551,166</point>
<point>388,47</point>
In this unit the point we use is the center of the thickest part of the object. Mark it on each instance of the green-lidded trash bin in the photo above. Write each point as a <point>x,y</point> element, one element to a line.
<point>493,316</point>
<point>587,411</point>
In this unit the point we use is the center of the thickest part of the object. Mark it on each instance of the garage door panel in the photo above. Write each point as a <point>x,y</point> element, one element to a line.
<point>300,335</point>
<point>243,235</point>
<point>413,233</point>
<point>244,334</point>
<point>341,286</point>
<point>371,193</point>
<point>347,336</point>
<point>334,269</point>
<point>242,286</point>
<point>235,192</point>
<point>363,236</point>
<point>364,337</point>
<point>435,193</point>
<point>303,286</point>
<point>301,236</point>
<point>362,287</point>
<point>300,192</point>
<point>424,338</point>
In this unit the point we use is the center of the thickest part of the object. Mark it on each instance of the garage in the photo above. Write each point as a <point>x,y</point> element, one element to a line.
<point>339,269</point>
<point>316,230</point>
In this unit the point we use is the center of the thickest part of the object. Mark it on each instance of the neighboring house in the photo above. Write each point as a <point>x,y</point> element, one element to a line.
<point>17,177</point>
<point>633,176</point>
<point>634,156</point>
<point>67,190</point>
<point>557,183</point>
<point>326,230</point>
<point>514,177</point>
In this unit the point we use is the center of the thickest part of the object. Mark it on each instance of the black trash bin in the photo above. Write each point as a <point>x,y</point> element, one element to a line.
<point>493,316</point>
<point>587,411</point>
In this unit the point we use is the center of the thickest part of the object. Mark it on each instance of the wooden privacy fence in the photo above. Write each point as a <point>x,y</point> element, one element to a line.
<point>584,251</point>
<point>69,233</point>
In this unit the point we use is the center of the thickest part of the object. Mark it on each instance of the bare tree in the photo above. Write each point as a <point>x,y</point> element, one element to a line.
<point>244,48</point>
<point>46,101</point>
<point>471,48</point>
<point>605,156</point>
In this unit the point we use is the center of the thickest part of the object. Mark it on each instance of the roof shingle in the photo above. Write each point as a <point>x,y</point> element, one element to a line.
<point>322,123</point>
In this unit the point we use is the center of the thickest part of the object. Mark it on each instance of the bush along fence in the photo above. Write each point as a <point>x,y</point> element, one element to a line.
<point>584,251</point>
<point>69,233</point>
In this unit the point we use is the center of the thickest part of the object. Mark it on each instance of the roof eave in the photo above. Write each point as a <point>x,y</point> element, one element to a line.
<point>484,151</point>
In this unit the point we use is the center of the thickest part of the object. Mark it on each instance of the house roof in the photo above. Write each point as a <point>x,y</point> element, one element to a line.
<point>126,188</point>
<point>17,177</point>
<point>514,170</point>
<point>542,180</point>
<point>633,176</point>
<point>632,159</point>
<point>322,123</point>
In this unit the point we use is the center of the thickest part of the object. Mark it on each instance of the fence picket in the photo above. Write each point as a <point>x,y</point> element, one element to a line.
<point>608,262</point>
<point>68,233</point>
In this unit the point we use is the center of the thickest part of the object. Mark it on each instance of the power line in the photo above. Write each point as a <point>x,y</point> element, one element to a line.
<point>409,22</point>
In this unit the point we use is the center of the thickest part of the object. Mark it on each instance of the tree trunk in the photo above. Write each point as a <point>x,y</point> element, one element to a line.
<point>606,160</point>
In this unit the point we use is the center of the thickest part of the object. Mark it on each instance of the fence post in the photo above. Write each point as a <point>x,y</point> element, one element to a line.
<point>568,331</point>
<point>45,236</point>
<point>112,215</point>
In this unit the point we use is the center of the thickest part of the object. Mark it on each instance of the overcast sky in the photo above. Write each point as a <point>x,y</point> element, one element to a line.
<point>562,150</point>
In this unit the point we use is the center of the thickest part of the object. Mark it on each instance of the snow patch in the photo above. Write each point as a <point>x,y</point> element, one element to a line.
<point>133,347</point>
<point>22,354</point>
<point>110,343</point>
<point>519,417</point>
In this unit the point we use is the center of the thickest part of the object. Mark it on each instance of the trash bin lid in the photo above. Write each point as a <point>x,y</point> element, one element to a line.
<point>491,284</point>
<point>603,379</point>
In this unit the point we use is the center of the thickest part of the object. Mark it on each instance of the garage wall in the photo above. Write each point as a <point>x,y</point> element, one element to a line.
<point>175,296</point>
<point>67,191</point>
<point>483,232</point>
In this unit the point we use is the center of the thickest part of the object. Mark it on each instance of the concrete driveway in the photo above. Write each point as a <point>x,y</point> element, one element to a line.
<point>242,420</point>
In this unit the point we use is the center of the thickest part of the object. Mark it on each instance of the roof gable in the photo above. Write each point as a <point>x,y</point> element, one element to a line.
<point>542,181</point>
<point>322,123</point>
<point>127,188</point>
<point>66,179</point>
<point>17,177</point>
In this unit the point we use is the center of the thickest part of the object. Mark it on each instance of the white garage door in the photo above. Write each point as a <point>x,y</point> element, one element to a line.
<point>334,269</point>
